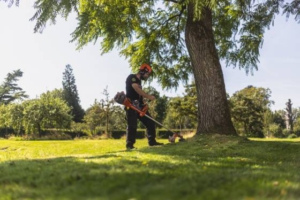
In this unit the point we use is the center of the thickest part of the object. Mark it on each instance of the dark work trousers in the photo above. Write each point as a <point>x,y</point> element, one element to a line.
<point>132,116</point>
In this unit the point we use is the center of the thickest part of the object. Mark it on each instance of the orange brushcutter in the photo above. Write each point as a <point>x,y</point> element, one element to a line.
<point>121,98</point>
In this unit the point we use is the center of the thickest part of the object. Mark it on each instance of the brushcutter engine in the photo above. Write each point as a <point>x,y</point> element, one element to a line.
<point>120,98</point>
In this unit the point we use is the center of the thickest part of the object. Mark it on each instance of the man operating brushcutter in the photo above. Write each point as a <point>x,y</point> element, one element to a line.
<point>136,95</point>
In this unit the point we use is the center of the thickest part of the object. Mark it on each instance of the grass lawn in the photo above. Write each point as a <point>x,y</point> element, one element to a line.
<point>203,167</point>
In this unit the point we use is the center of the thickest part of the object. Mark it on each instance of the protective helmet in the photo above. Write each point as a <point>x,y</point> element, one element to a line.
<point>145,68</point>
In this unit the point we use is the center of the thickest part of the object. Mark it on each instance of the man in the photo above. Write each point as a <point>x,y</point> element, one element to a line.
<point>136,95</point>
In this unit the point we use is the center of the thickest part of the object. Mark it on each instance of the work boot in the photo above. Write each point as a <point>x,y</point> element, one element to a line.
<point>129,146</point>
<point>155,143</point>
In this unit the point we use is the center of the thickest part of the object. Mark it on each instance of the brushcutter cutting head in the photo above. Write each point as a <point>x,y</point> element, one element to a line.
<point>174,136</point>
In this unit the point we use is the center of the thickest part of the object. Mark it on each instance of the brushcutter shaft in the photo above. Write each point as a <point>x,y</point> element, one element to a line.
<point>159,123</point>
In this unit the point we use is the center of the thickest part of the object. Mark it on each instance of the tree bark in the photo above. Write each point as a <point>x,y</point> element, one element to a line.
<point>213,110</point>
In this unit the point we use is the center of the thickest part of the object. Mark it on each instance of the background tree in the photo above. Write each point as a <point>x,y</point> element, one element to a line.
<point>248,108</point>
<point>107,105</point>
<point>297,126</point>
<point>93,116</point>
<point>275,131</point>
<point>291,115</point>
<point>267,121</point>
<point>279,118</point>
<point>177,38</point>
<point>56,93</point>
<point>9,89</point>
<point>15,117</point>
<point>189,105</point>
<point>274,123</point>
<point>175,118</point>
<point>4,117</point>
<point>46,112</point>
<point>118,121</point>
<point>157,108</point>
<point>70,94</point>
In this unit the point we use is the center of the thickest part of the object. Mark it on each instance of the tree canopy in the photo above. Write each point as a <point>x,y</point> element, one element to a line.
<point>152,30</point>
<point>9,89</point>
<point>248,107</point>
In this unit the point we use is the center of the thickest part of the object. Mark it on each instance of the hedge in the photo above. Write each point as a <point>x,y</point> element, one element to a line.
<point>163,133</point>
<point>9,131</point>
<point>4,132</point>
<point>117,134</point>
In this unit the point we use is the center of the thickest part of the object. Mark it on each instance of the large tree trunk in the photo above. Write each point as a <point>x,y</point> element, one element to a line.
<point>213,110</point>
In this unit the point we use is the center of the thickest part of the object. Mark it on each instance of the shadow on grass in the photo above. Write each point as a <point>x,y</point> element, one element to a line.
<point>197,169</point>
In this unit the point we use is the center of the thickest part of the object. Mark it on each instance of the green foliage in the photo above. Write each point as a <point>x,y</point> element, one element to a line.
<point>244,23</point>
<point>56,93</point>
<point>152,31</point>
<point>183,111</point>
<point>106,115</point>
<point>15,115</point>
<point>107,105</point>
<point>286,132</point>
<point>279,118</point>
<point>11,117</point>
<point>297,127</point>
<point>157,108</point>
<point>290,136</point>
<point>12,2</point>
<point>292,8</point>
<point>46,135</point>
<point>247,110</point>
<point>291,115</point>
<point>161,108</point>
<point>3,115</point>
<point>274,131</point>
<point>33,116</point>
<point>117,134</point>
<point>140,133</point>
<point>46,112</point>
<point>9,90</point>
<point>174,119</point>
<point>70,94</point>
<point>79,128</point>
<point>117,119</point>
<point>189,106</point>
<point>93,116</point>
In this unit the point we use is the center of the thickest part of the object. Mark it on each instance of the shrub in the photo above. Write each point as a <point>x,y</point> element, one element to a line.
<point>290,136</point>
<point>118,134</point>
<point>274,130</point>
<point>4,132</point>
<point>56,132</point>
<point>53,136</point>
<point>141,133</point>
<point>286,133</point>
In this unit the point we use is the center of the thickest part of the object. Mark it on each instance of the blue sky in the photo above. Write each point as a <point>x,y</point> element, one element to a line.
<point>43,57</point>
